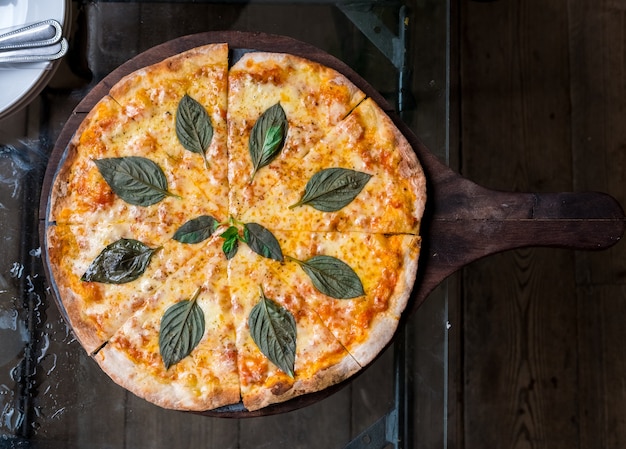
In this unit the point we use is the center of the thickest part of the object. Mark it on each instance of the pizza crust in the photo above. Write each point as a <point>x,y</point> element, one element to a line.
<point>385,326</point>
<point>170,394</point>
<point>70,200</point>
<point>320,381</point>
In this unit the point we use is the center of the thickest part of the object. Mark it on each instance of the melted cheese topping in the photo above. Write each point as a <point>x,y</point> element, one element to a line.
<point>314,98</point>
<point>378,260</point>
<point>138,119</point>
<point>387,204</point>
<point>101,309</point>
<point>317,350</point>
<point>205,379</point>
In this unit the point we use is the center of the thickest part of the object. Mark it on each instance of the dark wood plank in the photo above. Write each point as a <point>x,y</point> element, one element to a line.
<point>520,352</point>
<point>543,100</point>
<point>601,367</point>
<point>323,424</point>
<point>598,97</point>
<point>426,337</point>
<point>520,327</point>
<point>147,425</point>
<point>372,393</point>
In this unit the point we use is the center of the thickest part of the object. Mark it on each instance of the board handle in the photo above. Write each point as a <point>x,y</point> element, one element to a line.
<point>467,222</point>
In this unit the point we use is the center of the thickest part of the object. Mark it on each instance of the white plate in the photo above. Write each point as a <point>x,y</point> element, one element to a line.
<point>19,85</point>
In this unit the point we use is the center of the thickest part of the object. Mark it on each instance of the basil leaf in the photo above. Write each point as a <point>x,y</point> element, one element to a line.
<point>120,262</point>
<point>182,328</point>
<point>196,230</point>
<point>331,189</point>
<point>136,180</point>
<point>231,242</point>
<point>273,329</point>
<point>230,248</point>
<point>193,126</point>
<point>262,241</point>
<point>267,137</point>
<point>333,277</point>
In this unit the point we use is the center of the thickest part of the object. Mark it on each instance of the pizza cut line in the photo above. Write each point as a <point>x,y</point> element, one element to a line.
<point>224,233</point>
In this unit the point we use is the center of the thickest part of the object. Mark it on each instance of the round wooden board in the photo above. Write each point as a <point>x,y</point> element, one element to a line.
<point>463,221</point>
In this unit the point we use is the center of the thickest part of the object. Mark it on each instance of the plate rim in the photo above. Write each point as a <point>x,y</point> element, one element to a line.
<point>39,81</point>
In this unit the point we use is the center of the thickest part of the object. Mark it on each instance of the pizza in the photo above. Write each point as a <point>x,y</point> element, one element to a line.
<point>234,232</point>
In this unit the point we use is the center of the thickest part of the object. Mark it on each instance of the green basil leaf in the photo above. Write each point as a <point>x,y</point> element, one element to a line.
<point>231,242</point>
<point>331,189</point>
<point>273,329</point>
<point>182,328</point>
<point>230,248</point>
<point>122,261</point>
<point>196,230</point>
<point>262,241</point>
<point>136,180</point>
<point>193,126</point>
<point>333,277</point>
<point>267,137</point>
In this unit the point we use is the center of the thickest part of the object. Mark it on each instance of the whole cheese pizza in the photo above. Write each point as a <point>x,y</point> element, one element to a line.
<point>228,232</point>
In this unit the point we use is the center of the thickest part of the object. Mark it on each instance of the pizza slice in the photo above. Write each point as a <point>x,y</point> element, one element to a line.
<point>126,161</point>
<point>279,106</point>
<point>284,349</point>
<point>105,273</point>
<point>358,284</point>
<point>79,193</point>
<point>178,351</point>
<point>362,176</point>
<point>180,104</point>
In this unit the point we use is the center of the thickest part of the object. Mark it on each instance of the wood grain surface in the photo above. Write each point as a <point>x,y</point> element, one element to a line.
<point>543,97</point>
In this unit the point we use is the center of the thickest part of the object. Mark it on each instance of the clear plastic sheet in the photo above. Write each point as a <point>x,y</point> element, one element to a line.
<point>51,393</point>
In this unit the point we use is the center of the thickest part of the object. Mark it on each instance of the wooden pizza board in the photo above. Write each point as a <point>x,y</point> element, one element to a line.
<point>463,221</point>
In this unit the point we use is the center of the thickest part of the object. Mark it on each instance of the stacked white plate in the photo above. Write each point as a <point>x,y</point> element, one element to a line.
<point>21,83</point>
